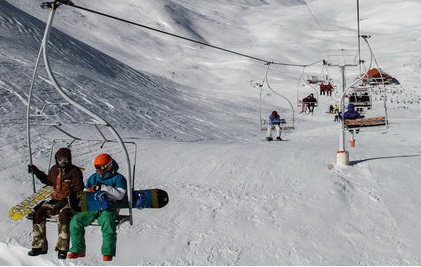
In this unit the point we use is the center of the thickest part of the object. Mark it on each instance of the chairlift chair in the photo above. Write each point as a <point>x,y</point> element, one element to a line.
<point>99,125</point>
<point>360,97</point>
<point>306,90</point>
<point>287,123</point>
<point>368,122</point>
<point>365,122</point>
<point>85,146</point>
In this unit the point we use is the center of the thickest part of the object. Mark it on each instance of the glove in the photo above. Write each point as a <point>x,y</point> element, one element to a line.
<point>74,201</point>
<point>33,169</point>
<point>102,200</point>
<point>97,186</point>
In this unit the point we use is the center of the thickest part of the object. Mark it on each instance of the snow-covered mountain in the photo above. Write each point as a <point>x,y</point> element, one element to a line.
<point>194,113</point>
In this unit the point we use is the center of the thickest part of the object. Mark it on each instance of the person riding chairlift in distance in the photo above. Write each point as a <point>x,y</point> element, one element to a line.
<point>311,102</point>
<point>351,113</point>
<point>274,122</point>
<point>322,88</point>
<point>329,89</point>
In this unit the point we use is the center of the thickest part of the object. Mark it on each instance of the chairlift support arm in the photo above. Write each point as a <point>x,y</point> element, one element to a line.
<point>98,120</point>
<point>267,82</point>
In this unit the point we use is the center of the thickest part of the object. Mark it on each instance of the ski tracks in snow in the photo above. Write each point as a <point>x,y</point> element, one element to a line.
<point>361,192</point>
<point>221,210</point>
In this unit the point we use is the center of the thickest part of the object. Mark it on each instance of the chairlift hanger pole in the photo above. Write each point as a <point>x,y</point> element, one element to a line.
<point>365,37</point>
<point>292,107</point>
<point>28,115</point>
<point>299,98</point>
<point>358,32</point>
<point>98,120</point>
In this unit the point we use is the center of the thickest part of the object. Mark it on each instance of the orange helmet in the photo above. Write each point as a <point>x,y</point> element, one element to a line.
<point>103,161</point>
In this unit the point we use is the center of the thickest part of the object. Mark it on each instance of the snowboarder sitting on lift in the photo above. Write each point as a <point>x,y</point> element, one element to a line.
<point>67,180</point>
<point>107,179</point>
<point>351,113</point>
<point>274,122</point>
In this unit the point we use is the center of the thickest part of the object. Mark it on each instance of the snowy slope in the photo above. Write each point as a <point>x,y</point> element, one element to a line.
<point>194,114</point>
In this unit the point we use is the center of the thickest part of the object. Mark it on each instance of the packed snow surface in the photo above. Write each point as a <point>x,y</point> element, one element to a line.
<point>193,113</point>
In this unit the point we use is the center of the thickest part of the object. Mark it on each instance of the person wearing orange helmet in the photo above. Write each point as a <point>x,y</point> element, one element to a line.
<point>106,179</point>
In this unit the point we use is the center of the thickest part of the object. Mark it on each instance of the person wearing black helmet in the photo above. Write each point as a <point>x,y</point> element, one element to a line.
<point>67,181</point>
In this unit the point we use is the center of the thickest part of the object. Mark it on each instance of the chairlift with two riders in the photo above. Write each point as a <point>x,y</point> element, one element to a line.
<point>49,116</point>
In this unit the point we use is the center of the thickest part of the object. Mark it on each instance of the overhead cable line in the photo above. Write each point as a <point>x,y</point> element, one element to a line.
<point>314,17</point>
<point>69,3</point>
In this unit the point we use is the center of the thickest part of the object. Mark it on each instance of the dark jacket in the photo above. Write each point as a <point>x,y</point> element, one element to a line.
<point>311,100</point>
<point>64,180</point>
<point>351,113</point>
<point>274,120</point>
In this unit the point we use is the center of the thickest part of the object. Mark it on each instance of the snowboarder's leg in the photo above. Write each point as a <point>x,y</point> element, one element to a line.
<point>63,229</point>
<point>39,238</point>
<point>269,136</point>
<point>77,229</point>
<point>278,131</point>
<point>109,232</point>
<point>39,232</point>
<point>269,131</point>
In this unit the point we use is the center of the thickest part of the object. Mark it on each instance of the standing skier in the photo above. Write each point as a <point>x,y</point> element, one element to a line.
<point>67,180</point>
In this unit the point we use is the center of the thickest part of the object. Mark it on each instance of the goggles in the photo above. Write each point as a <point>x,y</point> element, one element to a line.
<point>103,167</point>
<point>63,160</point>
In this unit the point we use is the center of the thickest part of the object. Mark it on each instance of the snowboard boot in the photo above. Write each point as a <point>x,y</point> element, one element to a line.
<point>278,138</point>
<point>36,252</point>
<point>107,258</point>
<point>269,138</point>
<point>62,254</point>
<point>75,255</point>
